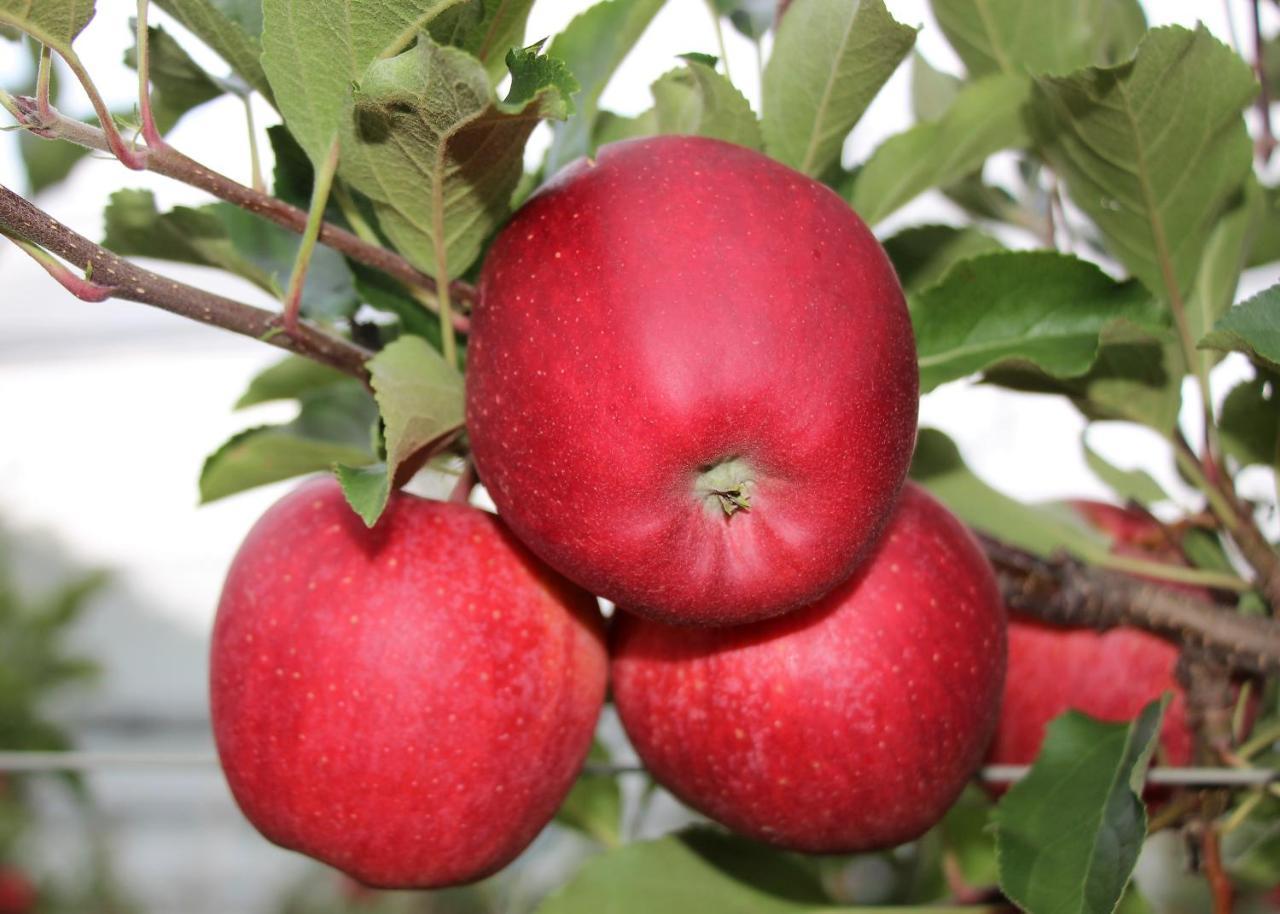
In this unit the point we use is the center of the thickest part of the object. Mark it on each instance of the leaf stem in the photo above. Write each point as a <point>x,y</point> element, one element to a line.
<point>255,157</point>
<point>149,131</point>
<point>135,159</point>
<point>10,104</point>
<point>715,23</point>
<point>1175,574</point>
<point>1266,143</point>
<point>79,286</point>
<point>315,219</point>
<point>44,81</point>
<point>352,214</point>
<point>18,218</point>
<point>169,162</point>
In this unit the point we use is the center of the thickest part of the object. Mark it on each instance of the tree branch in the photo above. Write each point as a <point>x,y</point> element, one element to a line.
<point>122,279</point>
<point>1064,591</point>
<point>167,161</point>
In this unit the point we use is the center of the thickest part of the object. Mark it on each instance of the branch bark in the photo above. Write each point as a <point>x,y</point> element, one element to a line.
<point>1064,591</point>
<point>128,281</point>
<point>167,161</point>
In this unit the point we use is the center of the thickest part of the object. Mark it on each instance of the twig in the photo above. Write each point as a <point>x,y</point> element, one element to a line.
<point>1219,881</point>
<point>1064,591</point>
<point>125,280</point>
<point>169,162</point>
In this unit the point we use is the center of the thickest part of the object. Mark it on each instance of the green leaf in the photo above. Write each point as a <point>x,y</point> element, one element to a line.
<point>532,74</point>
<point>226,237</point>
<point>932,91</point>
<point>593,45</point>
<point>380,291</point>
<point>135,227</point>
<point>52,22</point>
<point>1249,422</point>
<point>178,84</point>
<point>830,58</point>
<point>1068,835</point>
<point>332,426</point>
<point>611,127</point>
<point>693,872</point>
<point>232,28</point>
<point>695,100</point>
<point>1131,379</point>
<point>438,155</point>
<point>1222,262</point>
<point>314,51</point>
<point>987,116</point>
<point>922,255</point>
<point>967,835</point>
<point>289,379</point>
<point>937,464</point>
<point>1048,36</point>
<point>594,804</point>
<point>259,456</point>
<point>366,489</point>
<point>1132,485</point>
<point>485,29</point>
<point>1251,327</point>
<point>1035,307</point>
<point>10,33</point>
<point>420,399</point>
<point>1152,150</point>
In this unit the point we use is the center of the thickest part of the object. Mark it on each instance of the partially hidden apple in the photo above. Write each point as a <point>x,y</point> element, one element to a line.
<point>692,383</point>
<point>408,703</point>
<point>17,893</point>
<point>850,725</point>
<point>1109,675</point>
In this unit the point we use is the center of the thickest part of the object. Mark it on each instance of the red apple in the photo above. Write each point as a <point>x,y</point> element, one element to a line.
<point>409,703</point>
<point>17,894</point>
<point>692,381</point>
<point>1108,675</point>
<point>850,725</point>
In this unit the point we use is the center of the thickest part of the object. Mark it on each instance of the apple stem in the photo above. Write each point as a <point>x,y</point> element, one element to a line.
<point>467,479</point>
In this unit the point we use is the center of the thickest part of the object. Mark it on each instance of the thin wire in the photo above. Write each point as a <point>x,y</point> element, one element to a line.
<point>994,774</point>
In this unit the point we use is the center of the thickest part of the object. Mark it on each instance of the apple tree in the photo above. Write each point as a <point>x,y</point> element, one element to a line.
<point>436,286</point>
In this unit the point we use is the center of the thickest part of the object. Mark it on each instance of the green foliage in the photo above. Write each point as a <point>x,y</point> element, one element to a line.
<point>1125,140</point>
<point>420,399</point>
<point>1036,307</point>
<point>594,804</point>
<point>438,155</point>
<point>1068,835</point>
<point>224,236</point>
<point>830,59</point>
<point>692,872</point>
<point>177,82</point>
<point>232,28</point>
<point>939,467</point>
<point>486,29</point>
<point>592,46</point>
<point>1249,422</point>
<point>923,254</point>
<point>698,101</point>
<point>752,18</point>
<point>986,117</point>
<point>1049,36</point>
<point>332,427</point>
<point>1251,327</point>
<point>52,22</point>
<point>1130,485</point>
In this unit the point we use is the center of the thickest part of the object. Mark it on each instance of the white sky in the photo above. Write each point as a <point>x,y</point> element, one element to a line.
<point>108,410</point>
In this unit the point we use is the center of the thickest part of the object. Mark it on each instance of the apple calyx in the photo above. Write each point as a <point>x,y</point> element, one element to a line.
<point>725,487</point>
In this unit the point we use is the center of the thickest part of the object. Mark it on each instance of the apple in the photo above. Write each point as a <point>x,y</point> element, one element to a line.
<point>691,383</point>
<point>850,725</point>
<point>17,894</point>
<point>408,703</point>
<point>1109,675</point>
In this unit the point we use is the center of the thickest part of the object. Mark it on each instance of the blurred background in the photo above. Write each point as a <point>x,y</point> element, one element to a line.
<point>110,572</point>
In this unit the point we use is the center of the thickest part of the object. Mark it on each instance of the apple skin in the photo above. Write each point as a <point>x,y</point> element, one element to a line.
<point>850,725</point>
<point>681,308</point>
<point>1109,675</point>
<point>17,894</point>
<point>409,704</point>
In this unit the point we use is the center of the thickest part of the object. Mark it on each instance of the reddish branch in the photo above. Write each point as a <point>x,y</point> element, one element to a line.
<point>1064,591</point>
<point>1266,142</point>
<point>113,276</point>
<point>167,161</point>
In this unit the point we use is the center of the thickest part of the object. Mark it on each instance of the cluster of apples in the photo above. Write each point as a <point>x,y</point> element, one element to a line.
<point>692,391</point>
